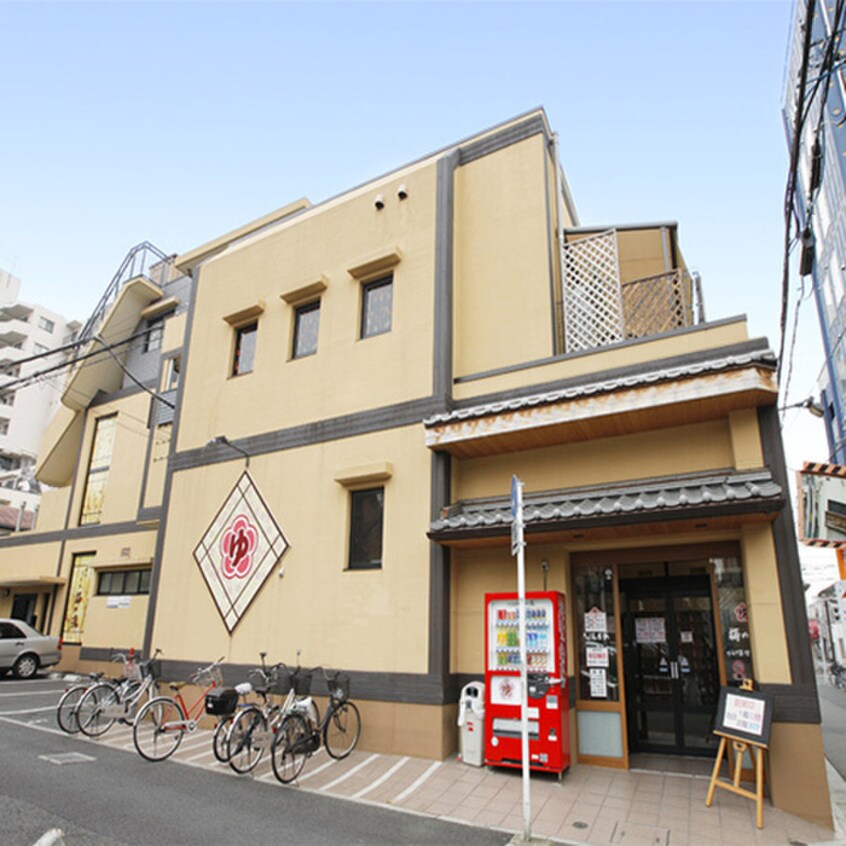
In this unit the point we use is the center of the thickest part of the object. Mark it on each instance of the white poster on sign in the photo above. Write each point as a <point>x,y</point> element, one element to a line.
<point>598,684</point>
<point>506,690</point>
<point>744,714</point>
<point>596,656</point>
<point>687,637</point>
<point>118,602</point>
<point>596,621</point>
<point>650,630</point>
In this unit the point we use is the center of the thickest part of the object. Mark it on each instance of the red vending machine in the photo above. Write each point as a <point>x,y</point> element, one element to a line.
<point>549,701</point>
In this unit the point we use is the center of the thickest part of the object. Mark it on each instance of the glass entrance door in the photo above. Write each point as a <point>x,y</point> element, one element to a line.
<point>671,665</point>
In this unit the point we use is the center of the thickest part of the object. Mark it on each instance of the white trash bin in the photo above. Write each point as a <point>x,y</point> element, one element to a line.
<point>471,722</point>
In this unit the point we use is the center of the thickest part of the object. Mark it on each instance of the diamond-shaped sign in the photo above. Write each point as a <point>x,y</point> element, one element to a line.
<point>239,550</point>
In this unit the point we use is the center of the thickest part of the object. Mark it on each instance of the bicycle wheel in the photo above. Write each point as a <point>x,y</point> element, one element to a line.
<point>220,741</point>
<point>158,728</point>
<point>91,714</point>
<point>342,729</point>
<point>247,739</point>
<point>289,750</point>
<point>66,709</point>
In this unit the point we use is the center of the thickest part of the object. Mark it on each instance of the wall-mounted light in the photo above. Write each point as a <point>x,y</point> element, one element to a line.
<point>379,202</point>
<point>222,440</point>
<point>810,404</point>
<point>402,192</point>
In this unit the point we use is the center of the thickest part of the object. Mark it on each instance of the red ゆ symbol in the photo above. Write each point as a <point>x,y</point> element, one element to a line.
<point>237,547</point>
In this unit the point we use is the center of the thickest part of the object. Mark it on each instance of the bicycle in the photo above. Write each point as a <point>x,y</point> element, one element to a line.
<point>105,703</point>
<point>837,675</point>
<point>254,728</point>
<point>224,702</point>
<point>299,735</point>
<point>162,722</point>
<point>69,701</point>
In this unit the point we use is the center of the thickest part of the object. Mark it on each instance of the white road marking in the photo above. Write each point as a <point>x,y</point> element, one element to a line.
<point>28,711</point>
<point>35,727</point>
<point>349,773</point>
<point>412,787</point>
<point>32,693</point>
<point>313,773</point>
<point>382,779</point>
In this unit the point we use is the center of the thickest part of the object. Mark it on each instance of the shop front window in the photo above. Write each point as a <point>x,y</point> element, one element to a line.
<point>596,634</point>
<point>734,620</point>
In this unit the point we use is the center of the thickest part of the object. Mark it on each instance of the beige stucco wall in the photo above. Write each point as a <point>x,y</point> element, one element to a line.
<point>766,615</point>
<point>685,449</point>
<point>347,374</point>
<point>503,297</point>
<point>594,362</point>
<point>367,620</point>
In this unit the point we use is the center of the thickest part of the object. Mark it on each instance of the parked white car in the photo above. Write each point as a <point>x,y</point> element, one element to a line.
<point>24,651</point>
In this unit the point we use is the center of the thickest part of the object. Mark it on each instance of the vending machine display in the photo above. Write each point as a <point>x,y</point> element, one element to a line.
<point>546,668</point>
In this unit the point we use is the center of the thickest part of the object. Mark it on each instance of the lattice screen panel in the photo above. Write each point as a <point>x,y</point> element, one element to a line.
<point>656,304</point>
<point>593,308</point>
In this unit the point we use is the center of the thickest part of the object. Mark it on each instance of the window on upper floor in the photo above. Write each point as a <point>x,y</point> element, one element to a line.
<point>7,397</point>
<point>306,326</point>
<point>155,332</point>
<point>170,379</point>
<point>98,470</point>
<point>243,358</point>
<point>367,510</point>
<point>4,426</point>
<point>123,582</point>
<point>45,324</point>
<point>40,349</point>
<point>376,306</point>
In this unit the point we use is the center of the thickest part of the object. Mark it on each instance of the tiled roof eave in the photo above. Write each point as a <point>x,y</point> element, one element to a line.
<point>763,506</point>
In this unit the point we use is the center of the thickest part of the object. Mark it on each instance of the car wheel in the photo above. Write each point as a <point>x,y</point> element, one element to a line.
<point>26,667</point>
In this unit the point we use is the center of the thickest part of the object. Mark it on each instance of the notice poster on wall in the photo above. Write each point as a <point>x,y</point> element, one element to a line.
<point>596,621</point>
<point>650,630</point>
<point>596,656</point>
<point>598,684</point>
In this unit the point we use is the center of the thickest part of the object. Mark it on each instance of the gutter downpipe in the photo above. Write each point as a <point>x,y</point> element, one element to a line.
<point>559,205</point>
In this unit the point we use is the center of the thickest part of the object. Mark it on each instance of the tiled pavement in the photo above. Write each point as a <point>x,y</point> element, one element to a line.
<point>590,805</point>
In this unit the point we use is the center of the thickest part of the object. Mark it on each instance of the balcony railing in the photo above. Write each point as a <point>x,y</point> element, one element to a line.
<point>144,259</point>
<point>598,309</point>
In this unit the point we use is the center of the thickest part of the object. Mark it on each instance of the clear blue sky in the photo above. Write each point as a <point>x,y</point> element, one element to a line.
<point>176,122</point>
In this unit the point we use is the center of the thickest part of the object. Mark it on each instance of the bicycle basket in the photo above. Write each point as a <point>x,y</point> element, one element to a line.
<point>152,669</point>
<point>302,682</point>
<point>222,701</point>
<point>339,686</point>
<point>206,677</point>
<point>281,684</point>
<point>132,671</point>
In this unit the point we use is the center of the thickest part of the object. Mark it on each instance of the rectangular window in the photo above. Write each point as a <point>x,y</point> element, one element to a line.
<point>40,349</point>
<point>7,397</point>
<point>123,582</point>
<point>306,325</point>
<point>155,332</point>
<point>376,306</point>
<point>171,373</point>
<point>366,517</point>
<point>4,426</point>
<point>98,470</point>
<point>45,324</point>
<point>245,349</point>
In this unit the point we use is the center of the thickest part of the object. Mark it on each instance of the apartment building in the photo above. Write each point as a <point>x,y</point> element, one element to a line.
<point>343,393</point>
<point>28,333</point>
<point>820,200</point>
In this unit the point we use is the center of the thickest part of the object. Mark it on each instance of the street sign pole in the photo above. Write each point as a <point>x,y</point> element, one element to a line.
<point>518,545</point>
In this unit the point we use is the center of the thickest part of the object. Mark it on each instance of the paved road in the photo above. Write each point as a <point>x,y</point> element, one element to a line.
<point>114,797</point>
<point>833,706</point>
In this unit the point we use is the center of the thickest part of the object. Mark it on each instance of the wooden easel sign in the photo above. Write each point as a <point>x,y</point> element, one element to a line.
<point>744,720</point>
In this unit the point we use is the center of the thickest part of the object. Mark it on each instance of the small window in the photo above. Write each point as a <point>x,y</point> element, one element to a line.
<point>123,582</point>
<point>9,631</point>
<point>306,325</point>
<point>7,397</point>
<point>376,305</point>
<point>40,349</point>
<point>155,332</point>
<point>171,374</point>
<point>245,349</point>
<point>45,324</point>
<point>4,426</point>
<point>366,513</point>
